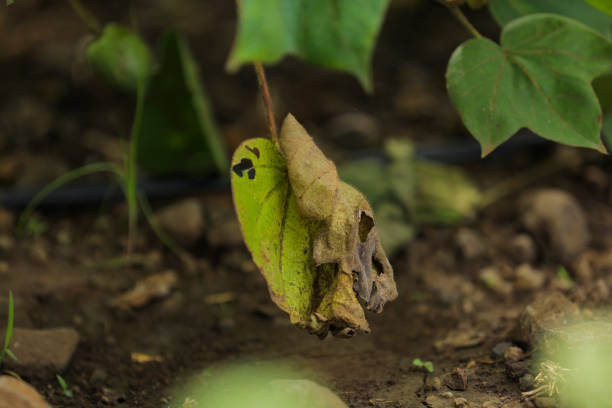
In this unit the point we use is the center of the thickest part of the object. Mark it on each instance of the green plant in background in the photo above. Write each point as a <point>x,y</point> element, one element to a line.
<point>9,331</point>
<point>427,365</point>
<point>65,389</point>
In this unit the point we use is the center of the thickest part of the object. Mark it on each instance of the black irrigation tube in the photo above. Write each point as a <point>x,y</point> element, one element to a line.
<point>90,194</point>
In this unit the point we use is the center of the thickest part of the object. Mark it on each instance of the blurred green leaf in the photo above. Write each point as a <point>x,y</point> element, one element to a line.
<point>178,132</point>
<point>337,34</point>
<point>539,78</point>
<point>504,11</point>
<point>9,2</point>
<point>120,56</point>
<point>603,5</point>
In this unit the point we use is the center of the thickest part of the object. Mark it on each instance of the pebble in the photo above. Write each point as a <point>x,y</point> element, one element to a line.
<point>447,394</point>
<point>492,279</point>
<point>434,384</point>
<point>526,382</point>
<point>469,243</point>
<point>518,369</point>
<point>308,392</point>
<point>155,286</point>
<point>461,403</point>
<point>4,268</point>
<point>183,221</point>
<point>15,393</point>
<point>528,278</point>
<point>41,353</point>
<point>523,248</point>
<point>548,311</point>
<point>499,349</point>
<point>433,401</point>
<point>513,354</point>
<point>558,219</point>
<point>490,404</point>
<point>6,242</point>
<point>456,380</point>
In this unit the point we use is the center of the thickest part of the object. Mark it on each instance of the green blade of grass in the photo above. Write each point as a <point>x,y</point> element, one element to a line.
<point>60,181</point>
<point>9,328</point>
<point>11,354</point>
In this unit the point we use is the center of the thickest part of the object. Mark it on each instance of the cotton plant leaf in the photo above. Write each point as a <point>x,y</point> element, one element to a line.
<point>602,5</point>
<point>539,77</point>
<point>336,34</point>
<point>178,134</point>
<point>505,11</point>
<point>288,235</point>
<point>120,56</point>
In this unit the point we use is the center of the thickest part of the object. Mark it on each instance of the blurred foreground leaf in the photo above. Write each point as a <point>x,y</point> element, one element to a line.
<point>504,11</point>
<point>337,34</point>
<point>178,133</point>
<point>311,235</point>
<point>539,78</point>
<point>120,56</point>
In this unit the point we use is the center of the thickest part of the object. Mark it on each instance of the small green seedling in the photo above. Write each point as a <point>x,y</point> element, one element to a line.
<point>67,391</point>
<point>9,331</point>
<point>428,365</point>
<point>564,276</point>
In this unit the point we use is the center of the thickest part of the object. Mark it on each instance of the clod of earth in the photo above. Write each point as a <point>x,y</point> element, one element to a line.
<point>312,236</point>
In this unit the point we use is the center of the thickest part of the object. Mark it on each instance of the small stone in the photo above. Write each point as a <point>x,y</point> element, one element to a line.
<point>458,339</point>
<point>558,220</point>
<point>545,313</point>
<point>456,380</point>
<point>41,353</point>
<point>490,404</point>
<point>582,267</point>
<point>308,392</point>
<point>492,279</point>
<point>545,402</point>
<point>461,403</point>
<point>38,253</point>
<point>155,286</point>
<point>7,220</point>
<point>528,278</point>
<point>469,243</point>
<point>183,221</point>
<point>526,382</point>
<point>433,384</point>
<point>4,268</point>
<point>15,393</point>
<point>447,394</point>
<point>513,354</point>
<point>433,401</point>
<point>499,349</point>
<point>523,249</point>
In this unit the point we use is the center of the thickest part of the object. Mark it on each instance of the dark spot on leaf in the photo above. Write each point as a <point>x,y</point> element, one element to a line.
<point>365,225</point>
<point>251,174</point>
<point>245,164</point>
<point>253,150</point>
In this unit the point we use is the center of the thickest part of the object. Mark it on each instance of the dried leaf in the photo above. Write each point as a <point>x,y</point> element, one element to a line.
<point>311,235</point>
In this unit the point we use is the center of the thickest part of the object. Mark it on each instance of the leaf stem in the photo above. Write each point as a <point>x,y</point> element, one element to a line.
<point>90,21</point>
<point>265,94</point>
<point>456,11</point>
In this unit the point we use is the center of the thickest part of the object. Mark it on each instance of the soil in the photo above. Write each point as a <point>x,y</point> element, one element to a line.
<point>69,274</point>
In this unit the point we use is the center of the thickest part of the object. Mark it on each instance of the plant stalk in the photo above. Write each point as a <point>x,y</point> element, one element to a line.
<point>456,11</point>
<point>85,15</point>
<point>265,94</point>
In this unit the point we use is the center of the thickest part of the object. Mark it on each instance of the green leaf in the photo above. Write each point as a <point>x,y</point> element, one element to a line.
<point>275,232</point>
<point>336,34</point>
<point>504,11</point>
<point>540,78</point>
<point>11,355</point>
<point>429,366</point>
<point>603,5</point>
<point>9,2</point>
<point>120,56</point>
<point>178,132</point>
<point>417,362</point>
